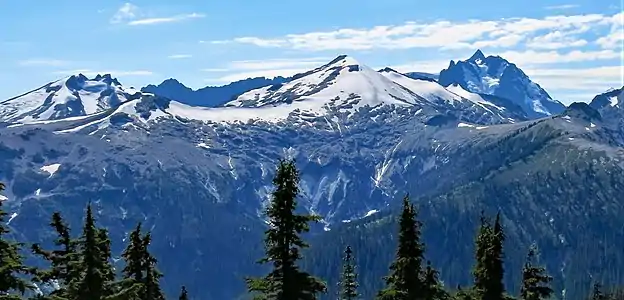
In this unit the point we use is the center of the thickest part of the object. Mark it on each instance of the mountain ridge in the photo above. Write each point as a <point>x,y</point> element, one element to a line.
<point>196,175</point>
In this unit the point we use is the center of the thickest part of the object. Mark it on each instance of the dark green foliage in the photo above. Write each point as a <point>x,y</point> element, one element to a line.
<point>63,261</point>
<point>283,243</point>
<point>433,289</point>
<point>348,283</point>
<point>535,280</point>
<point>11,265</point>
<point>133,256</point>
<point>183,294</point>
<point>96,268</point>
<point>597,293</point>
<point>151,289</point>
<point>405,280</point>
<point>488,271</point>
<point>140,269</point>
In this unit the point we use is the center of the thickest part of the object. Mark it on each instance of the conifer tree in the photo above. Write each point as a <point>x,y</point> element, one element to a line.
<point>497,288</point>
<point>151,289</point>
<point>133,256</point>
<point>183,294</point>
<point>104,245</point>
<point>63,261</point>
<point>93,282</point>
<point>433,289</point>
<point>140,269</point>
<point>283,243</point>
<point>535,281</point>
<point>348,282</point>
<point>405,279</point>
<point>10,262</point>
<point>488,271</point>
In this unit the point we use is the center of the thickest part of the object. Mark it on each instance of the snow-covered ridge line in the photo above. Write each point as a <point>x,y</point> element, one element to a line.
<point>343,86</point>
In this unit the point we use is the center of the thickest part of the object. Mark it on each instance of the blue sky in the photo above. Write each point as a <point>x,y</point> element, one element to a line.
<point>573,49</point>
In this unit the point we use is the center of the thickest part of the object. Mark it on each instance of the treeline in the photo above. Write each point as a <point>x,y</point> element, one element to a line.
<point>80,268</point>
<point>410,275</point>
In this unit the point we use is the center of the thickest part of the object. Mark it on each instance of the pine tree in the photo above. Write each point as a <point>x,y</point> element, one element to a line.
<point>63,261</point>
<point>95,270</point>
<point>104,245</point>
<point>183,294</point>
<point>152,290</point>
<point>348,282</point>
<point>597,293</point>
<point>535,281</point>
<point>497,288</point>
<point>283,243</point>
<point>433,289</point>
<point>10,262</point>
<point>133,256</point>
<point>488,271</point>
<point>140,269</point>
<point>405,279</point>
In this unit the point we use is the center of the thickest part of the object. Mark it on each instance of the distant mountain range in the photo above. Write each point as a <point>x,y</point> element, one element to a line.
<point>490,75</point>
<point>196,170</point>
<point>210,96</point>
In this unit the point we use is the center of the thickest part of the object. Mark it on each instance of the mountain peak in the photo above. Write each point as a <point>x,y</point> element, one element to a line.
<point>478,55</point>
<point>108,79</point>
<point>496,76</point>
<point>582,110</point>
<point>343,61</point>
<point>387,70</point>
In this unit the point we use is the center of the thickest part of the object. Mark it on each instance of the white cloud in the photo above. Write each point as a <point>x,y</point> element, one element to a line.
<point>278,63</point>
<point>502,33</point>
<point>562,6</point>
<point>43,62</point>
<point>131,14</point>
<point>243,69</point>
<point>433,66</point>
<point>125,13</point>
<point>615,38</point>
<point>577,84</point>
<point>555,40</point>
<point>88,72</point>
<point>272,65</point>
<point>179,56</point>
<point>151,21</point>
<point>531,57</point>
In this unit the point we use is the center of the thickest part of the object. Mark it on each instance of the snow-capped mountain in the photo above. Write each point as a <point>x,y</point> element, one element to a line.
<point>341,89</point>
<point>494,75</point>
<point>499,109</point>
<point>344,87</point>
<point>199,177</point>
<point>73,96</point>
<point>341,84</point>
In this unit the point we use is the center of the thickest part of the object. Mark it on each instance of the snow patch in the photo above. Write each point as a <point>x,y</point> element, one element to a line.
<point>51,169</point>
<point>13,215</point>
<point>203,145</point>
<point>370,213</point>
<point>465,125</point>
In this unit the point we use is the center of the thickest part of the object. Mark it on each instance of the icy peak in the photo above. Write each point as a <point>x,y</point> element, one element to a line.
<point>108,79</point>
<point>478,55</point>
<point>343,61</point>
